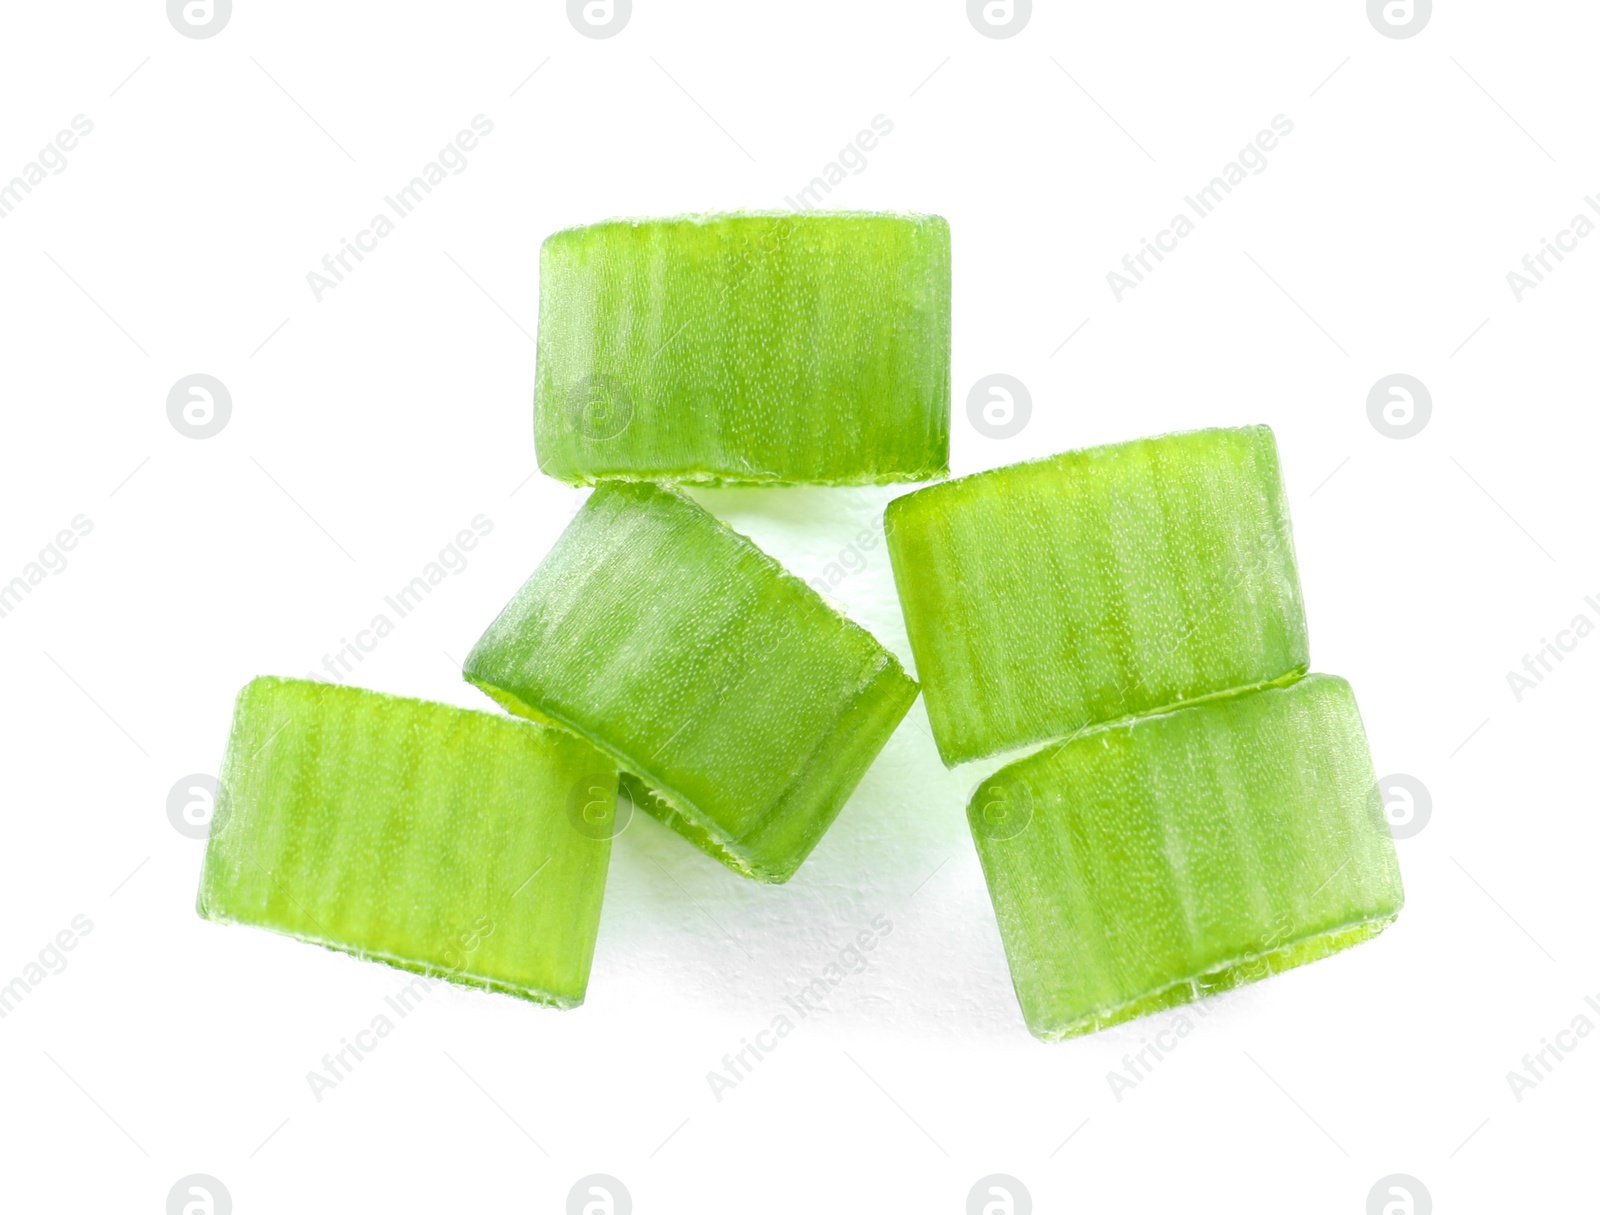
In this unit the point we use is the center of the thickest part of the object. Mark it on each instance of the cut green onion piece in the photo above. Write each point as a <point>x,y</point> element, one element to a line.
<point>1043,597</point>
<point>1148,863</point>
<point>746,705</point>
<point>763,347</point>
<point>443,841</point>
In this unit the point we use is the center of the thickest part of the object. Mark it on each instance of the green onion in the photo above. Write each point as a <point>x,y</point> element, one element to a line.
<point>1150,862</point>
<point>1043,597</point>
<point>746,706</point>
<point>439,840</point>
<point>766,347</point>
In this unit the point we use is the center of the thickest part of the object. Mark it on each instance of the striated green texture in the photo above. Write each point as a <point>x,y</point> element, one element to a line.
<point>1148,863</point>
<point>435,839</point>
<point>745,705</point>
<point>1043,597</point>
<point>761,347</point>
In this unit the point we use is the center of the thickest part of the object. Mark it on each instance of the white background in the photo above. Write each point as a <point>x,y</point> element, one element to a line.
<point>369,428</point>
